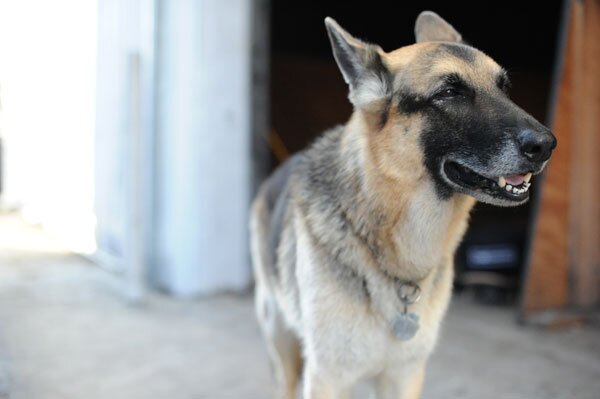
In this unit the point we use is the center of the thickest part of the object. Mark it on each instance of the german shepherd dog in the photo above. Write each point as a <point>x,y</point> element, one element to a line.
<point>353,239</point>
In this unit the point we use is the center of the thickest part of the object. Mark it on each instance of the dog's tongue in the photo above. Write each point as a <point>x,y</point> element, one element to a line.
<point>515,180</point>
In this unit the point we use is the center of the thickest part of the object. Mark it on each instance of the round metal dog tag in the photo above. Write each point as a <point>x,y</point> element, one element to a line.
<point>405,326</point>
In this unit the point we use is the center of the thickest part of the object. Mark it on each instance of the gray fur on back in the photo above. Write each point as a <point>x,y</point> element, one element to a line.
<point>277,195</point>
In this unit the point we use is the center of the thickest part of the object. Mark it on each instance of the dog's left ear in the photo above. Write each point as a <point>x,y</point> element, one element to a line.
<point>430,27</point>
<point>361,65</point>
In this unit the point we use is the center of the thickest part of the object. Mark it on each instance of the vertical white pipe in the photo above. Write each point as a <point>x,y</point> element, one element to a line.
<point>135,251</point>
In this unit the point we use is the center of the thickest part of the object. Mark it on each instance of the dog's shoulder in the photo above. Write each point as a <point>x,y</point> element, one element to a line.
<point>276,186</point>
<point>276,192</point>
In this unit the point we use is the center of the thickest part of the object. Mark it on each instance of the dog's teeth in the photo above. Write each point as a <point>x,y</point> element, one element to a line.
<point>501,181</point>
<point>508,187</point>
<point>527,177</point>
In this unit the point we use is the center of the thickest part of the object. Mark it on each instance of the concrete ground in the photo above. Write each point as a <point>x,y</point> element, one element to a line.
<point>65,333</point>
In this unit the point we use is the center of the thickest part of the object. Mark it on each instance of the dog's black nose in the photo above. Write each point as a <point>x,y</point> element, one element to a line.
<point>537,146</point>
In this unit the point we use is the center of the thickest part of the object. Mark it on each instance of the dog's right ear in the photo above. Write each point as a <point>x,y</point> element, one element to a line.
<point>361,64</point>
<point>430,27</point>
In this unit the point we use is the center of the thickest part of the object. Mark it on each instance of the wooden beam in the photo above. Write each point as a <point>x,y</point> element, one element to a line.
<point>585,189</point>
<point>564,265</point>
<point>545,285</point>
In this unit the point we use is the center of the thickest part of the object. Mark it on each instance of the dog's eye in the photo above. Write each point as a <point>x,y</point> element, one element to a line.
<point>448,92</point>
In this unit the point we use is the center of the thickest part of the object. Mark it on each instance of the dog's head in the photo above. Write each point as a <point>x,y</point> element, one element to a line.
<point>442,106</point>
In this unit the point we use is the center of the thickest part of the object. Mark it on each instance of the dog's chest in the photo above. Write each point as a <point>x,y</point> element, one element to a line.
<point>343,330</point>
<point>347,336</point>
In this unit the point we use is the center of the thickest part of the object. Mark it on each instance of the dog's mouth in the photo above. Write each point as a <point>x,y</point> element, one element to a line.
<point>513,188</point>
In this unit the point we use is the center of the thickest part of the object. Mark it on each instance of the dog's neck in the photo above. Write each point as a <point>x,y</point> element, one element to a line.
<point>411,228</point>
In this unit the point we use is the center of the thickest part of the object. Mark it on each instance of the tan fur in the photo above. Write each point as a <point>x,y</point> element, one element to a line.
<point>406,59</point>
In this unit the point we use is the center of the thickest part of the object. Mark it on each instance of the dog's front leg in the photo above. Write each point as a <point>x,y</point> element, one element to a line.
<point>316,388</point>
<point>398,386</point>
